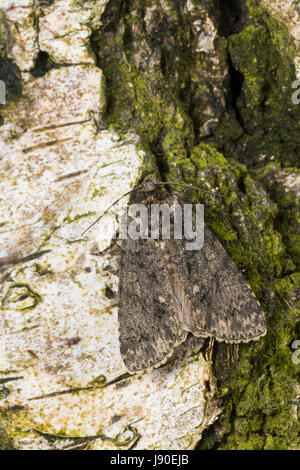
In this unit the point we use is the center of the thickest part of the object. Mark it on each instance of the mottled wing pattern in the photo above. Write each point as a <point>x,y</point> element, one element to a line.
<point>149,328</point>
<point>166,291</point>
<point>221,302</point>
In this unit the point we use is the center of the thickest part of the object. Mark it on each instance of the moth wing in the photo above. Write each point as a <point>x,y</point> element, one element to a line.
<point>149,326</point>
<point>221,302</point>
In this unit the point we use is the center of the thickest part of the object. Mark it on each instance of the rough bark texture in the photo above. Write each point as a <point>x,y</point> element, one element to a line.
<point>207,86</point>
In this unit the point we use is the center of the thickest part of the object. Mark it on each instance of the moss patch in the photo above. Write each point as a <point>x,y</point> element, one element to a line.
<point>262,53</point>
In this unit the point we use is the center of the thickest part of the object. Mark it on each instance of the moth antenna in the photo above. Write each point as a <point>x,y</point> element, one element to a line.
<point>188,186</point>
<point>139,187</point>
<point>106,210</point>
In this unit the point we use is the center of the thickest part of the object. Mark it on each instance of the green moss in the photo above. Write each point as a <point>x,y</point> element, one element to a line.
<point>264,384</point>
<point>245,442</point>
<point>205,156</point>
<point>283,188</point>
<point>259,411</point>
<point>3,36</point>
<point>143,97</point>
<point>245,48</point>
<point>70,220</point>
<point>244,221</point>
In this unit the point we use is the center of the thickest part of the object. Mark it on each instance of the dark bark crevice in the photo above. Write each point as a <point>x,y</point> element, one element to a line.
<point>43,64</point>
<point>232,16</point>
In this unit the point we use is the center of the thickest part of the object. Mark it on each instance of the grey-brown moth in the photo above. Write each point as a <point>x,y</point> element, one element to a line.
<point>166,292</point>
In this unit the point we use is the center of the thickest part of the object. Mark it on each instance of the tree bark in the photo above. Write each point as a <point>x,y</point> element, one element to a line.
<point>198,92</point>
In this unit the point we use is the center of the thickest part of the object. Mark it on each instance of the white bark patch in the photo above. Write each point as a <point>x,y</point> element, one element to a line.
<point>23,44</point>
<point>60,364</point>
<point>65,29</point>
<point>286,11</point>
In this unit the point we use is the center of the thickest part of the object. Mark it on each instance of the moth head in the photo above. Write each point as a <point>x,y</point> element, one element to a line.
<point>149,185</point>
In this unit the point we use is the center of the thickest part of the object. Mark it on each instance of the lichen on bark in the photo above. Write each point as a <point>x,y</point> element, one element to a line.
<point>207,86</point>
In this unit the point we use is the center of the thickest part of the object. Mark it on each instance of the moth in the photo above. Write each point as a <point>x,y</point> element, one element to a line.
<point>167,292</point>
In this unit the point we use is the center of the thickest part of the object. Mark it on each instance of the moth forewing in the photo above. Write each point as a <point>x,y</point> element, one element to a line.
<point>149,326</point>
<point>222,304</point>
<point>167,290</point>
